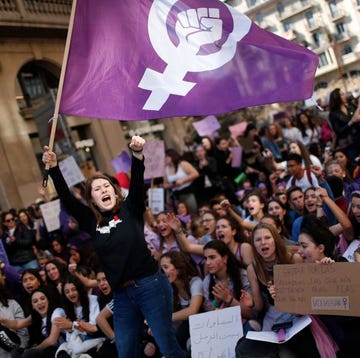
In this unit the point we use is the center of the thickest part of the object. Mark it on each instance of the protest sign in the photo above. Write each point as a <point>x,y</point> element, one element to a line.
<point>236,156</point>
<point>156,200</point>
<point>50,212</point>
<point>71,171</point>
<point>238,129</point>
<point>206,126</point>
<point>332,289</point>
<point>215,333</point>
<point>154,153</point>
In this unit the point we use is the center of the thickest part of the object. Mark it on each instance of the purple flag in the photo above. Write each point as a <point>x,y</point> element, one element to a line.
<point>122,162</point>
<point>138,60</point>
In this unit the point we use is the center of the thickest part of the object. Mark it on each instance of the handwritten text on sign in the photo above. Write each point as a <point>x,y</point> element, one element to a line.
<point>215,333</point>
<point>319,289</point>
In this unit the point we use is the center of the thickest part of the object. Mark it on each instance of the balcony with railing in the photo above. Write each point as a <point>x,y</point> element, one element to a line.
<point>256,5</point>
<point>295,9</point>
<point>35,13</point>
<point>337,14</point>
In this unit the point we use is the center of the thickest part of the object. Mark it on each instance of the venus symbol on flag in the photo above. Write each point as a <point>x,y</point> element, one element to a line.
<point>195,29</point>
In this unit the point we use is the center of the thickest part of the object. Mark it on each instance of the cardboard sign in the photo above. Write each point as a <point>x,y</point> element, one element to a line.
<point>238,129</point>
<point>71,171</point>
<point>206,126</point>
<point>50,212</point>
<point>215,333</point>
<point>154,153</point>
<point>156,200</point>
<point>332,289</point>
<point>236,156</point>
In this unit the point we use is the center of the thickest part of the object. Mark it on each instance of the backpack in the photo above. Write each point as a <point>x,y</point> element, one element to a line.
<point>308,174</point>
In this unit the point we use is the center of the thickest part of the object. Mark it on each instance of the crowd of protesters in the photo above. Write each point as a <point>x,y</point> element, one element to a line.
<point>295,198</point>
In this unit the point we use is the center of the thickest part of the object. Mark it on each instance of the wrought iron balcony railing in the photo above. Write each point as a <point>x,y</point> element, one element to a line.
<point>49,13</point>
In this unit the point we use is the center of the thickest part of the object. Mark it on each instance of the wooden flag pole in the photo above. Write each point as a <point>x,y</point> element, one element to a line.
<point>60,87</point>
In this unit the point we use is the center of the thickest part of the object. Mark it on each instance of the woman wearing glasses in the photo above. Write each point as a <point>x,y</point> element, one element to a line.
<point>18,241</point>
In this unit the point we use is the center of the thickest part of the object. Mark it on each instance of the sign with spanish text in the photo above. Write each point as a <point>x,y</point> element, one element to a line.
<point>332,289</point>
<point>206,126</point>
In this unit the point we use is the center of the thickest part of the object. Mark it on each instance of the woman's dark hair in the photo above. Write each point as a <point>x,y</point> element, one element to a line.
<point>335,100</point>
<point>304,153</point>
<point>35,273</point>
<point>301,125</point>
<point>36,335</point>
<point>30,220</point>
<point>234,224</point>
<point>175,157</point>
<point>319,233</point>
<point>186,272</point>
<point>120,197</point>
<point>63,272</point>
<point>83,298</point>
<point>233,267</point>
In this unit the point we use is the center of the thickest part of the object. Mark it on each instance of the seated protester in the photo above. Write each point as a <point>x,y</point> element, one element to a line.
<point>59,250</point>
<point>295,198</point>
<point>187,289</point>
<point>302,178</point>
<point>227,230</point>
<point>279,209</point>
<point>333,167</point>
<point>226,284</point>
<point>44,335</point>
<point>18,241</point>
<point>270,250</point>
<point>276,223</point>
<point>167,239</point>
<point>56,274</point>
<point>31,280</point>
<point>317,244</point>
<point>105,294</point>
<point>108,348</point>
<point>315,199</point>
<point>10,310</point>
<point>77,319</point>
<point>355,220</point>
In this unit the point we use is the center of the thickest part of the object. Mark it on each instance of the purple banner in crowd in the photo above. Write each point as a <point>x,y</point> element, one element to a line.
<point>138,60</point>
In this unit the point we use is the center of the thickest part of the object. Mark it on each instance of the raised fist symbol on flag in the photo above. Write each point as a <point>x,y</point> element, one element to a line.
<point>199,27</point>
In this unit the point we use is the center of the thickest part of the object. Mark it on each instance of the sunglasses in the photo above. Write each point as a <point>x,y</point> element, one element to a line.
<point>280,193</point>
<point>9,220</point>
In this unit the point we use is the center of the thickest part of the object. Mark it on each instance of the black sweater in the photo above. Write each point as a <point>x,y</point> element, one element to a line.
<point>120,245</point>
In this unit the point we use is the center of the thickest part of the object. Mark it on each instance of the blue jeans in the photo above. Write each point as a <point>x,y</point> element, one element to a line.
<point>149,298</point>
<point>33,264</point>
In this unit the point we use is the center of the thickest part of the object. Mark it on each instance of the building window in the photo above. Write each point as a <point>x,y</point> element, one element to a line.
<point>323,59</point>
<point>287,26</point>
<point>321,85</point>
<point>340,28</point>
<point>333,8</point>
<point>280,8</point>
<point>316,38</point>
<point>355,73</point>
<point>251,3</point>
<point>346,49</point>
<point>310,19</point>
<point>259,17</point>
